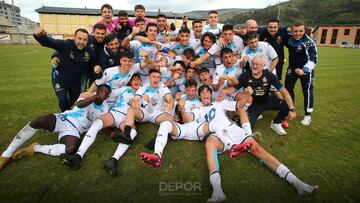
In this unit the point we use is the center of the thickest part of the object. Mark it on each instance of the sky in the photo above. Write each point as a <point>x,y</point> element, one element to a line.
<point>28,7</point>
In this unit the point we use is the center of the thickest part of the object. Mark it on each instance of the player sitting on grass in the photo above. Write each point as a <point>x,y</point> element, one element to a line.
<point>114,118</point>
<point>69,124</point>
<point>215,112</point>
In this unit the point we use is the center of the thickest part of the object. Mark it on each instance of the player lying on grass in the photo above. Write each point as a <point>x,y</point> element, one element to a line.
<point>114,118</point>
<point>194,130</point>
<point>215,112</point>
<point>69,124</point>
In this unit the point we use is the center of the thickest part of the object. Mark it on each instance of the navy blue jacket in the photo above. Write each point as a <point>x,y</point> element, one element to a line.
<point>277,41</point>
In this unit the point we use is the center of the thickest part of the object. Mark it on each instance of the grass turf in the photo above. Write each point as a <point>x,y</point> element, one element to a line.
<point>325,153</point>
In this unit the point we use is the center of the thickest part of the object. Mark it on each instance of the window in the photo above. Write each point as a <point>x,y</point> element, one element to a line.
<point>357,37</point>
<point>323,36</point>
<point>334,36</point>
<point>346,31</point>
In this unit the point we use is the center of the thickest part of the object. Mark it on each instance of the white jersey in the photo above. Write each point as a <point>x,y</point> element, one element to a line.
<point>209,63</point>
<point>193,38</point>
<point>216,111</point>
<point>115,79</point>
<point>265,50</point>
<point>179,49</point>
<point>150,49</point>
<point>234,71</point>
<point>236,45</point>
<point>215,30</point>
<point>82,118</point>
<point>156,95</point>
<point>191,104</point>
<point>123,99</point>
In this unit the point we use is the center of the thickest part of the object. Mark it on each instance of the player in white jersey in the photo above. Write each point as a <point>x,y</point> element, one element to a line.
<point>159,104</point>
<point>118,76</point>
<point>213,25</point>
<point>190,74</point>
<point>139,48</point>
<point>213,145</point>
<point>192,129</point>
<point>256,48</point>
<point>205,59</point>
<point>227,73</point>
<point>196,30</point>
<point>184,42</point>
<point>69,124</point>
<point>114,118</point>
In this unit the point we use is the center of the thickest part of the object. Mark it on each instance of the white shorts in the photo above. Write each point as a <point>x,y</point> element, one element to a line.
<point>118,116</point>
<point>150,115</point>
<point>65,127</point>
<point>189,131</point>
<point>236,135</point>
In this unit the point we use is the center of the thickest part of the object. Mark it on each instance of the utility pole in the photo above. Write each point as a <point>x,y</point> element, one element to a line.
<point>16,22</point>
<point>278,15</point>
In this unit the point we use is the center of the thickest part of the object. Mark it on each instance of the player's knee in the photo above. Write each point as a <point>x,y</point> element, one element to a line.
<point>210,144</point>
<point>39,121</point>
<point>255,147</point>
<point>71,149</point>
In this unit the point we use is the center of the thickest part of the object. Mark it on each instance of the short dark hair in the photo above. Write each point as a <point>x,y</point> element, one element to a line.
<point>203,70</point>
<point>251,35</point>
<point>190,83</point>
<point>203,87</point>
<point>123,13</point>
<point>160,15</point>
<point>81,30</point>
<point>154,71</point>
<point>189,52</point>
<point>150,25</point>
<point>184,29</point>
<point>213,11</point>
<point>99,26</point>
<point>210,35</point>
<point>104,86</point>
<point>108,6</point>
<point>273,21</point>
<point>226,50</point>
<point>180,62</point>
<point>139,6</point>
<point>110,38</point>
<point>189,68</point>
<point>227,27</point>
<point>298,24</point>
<point>196,21</point>
<point>139,20</point>
<point>127,54</point>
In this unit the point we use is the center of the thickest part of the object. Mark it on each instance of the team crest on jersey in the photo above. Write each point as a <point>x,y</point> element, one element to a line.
<point>279,40</point>
<point>92,46</point>
<point>250,81</point>
<point>264,80</point>
<point>86,56</point>
<point>154,101</point>
<point>299,48</point>
<point>111,61</point>
<point>72,54</point>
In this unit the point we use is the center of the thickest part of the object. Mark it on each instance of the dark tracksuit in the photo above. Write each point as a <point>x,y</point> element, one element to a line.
<point>303,55</point>
<point>277,42</point>
<point>262,99</point>
<point>108,59</point>
<point>66,79</point>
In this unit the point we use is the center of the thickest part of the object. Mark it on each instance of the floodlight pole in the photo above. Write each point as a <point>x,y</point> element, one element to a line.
<point>16,24</point>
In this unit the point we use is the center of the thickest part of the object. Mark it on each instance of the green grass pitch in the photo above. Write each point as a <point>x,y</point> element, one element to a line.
<point>325,153</point>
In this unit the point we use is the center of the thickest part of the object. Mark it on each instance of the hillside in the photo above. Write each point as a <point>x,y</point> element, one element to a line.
<point>312,12</point>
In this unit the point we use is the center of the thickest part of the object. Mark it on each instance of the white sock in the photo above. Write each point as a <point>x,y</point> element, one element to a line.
<point>162,137</point>
<point>22,136</point>
<point>215,181</point>
<point>301,187</point>
<point>53,150</point>
<point>90,137</point>
<point>219,133</point>
<point>247,128</point>
<point>122,148</point>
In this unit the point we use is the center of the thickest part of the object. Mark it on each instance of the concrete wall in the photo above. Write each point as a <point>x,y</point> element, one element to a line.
<point>341,37</point>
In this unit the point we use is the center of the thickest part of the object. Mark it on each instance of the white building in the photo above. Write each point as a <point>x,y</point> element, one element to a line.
<point>7,11</point>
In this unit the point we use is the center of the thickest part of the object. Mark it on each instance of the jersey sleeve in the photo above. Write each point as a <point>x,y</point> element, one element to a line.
<point>134,68</point>
<point>274,80</point>
<point>229,105</point>
<point>271,51</point>
<point>312,54</point>
<point>217,74</point>
<point>213,49</point>
<point>46,41</point>
<point>104,78</point>
<point>164,90</point>
<point>141,91</point>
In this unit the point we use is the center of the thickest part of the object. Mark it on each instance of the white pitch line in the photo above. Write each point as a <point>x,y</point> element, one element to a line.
<point>21,54</point>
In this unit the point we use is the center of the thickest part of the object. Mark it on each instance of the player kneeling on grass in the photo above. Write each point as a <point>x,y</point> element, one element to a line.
<point>213,145</point>
<point>114,118</point>
<point>208,118</point>
<point>69,124</point>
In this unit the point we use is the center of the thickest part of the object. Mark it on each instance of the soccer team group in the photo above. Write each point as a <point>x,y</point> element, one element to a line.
<point>208,84</point>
